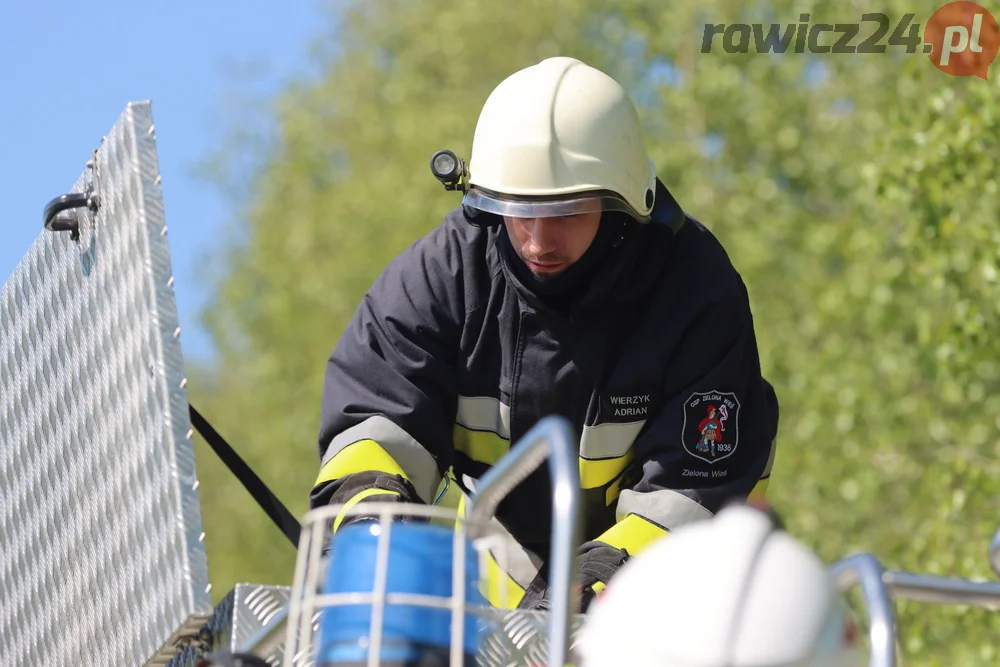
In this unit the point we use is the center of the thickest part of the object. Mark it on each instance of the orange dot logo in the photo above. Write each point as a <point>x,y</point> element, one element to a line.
<point>963,39</point>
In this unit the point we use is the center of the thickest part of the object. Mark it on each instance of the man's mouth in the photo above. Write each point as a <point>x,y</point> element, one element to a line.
<point>545,267</point>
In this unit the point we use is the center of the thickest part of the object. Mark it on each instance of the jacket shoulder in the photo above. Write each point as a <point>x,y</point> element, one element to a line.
<point>703,262</point>
<point>449,244</point>
<point>442,265</point>
<point>697,275</point>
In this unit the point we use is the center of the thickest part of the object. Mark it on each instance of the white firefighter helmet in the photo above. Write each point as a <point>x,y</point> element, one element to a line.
<point>560,138</point>
<point>732,591</point>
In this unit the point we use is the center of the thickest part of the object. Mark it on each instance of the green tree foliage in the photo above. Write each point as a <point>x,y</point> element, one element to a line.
<point>856,193</point>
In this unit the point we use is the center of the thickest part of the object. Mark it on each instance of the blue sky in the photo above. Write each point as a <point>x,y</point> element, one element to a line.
<point>71,67</point>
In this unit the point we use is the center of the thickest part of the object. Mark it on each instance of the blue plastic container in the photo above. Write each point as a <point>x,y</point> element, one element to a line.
<point>420,561</point>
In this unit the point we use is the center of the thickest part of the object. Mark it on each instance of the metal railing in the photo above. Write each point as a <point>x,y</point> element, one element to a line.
<point>551,438</point>
<point>880,587</point>
<point>865,569</point>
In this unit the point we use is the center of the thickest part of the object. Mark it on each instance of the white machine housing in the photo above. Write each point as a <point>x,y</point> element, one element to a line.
<point>732,591</point>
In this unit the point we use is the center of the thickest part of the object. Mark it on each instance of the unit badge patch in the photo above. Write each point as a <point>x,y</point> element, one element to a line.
<point>711,425</point>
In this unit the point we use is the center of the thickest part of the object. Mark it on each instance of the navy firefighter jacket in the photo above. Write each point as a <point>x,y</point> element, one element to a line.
<point>450,358</point>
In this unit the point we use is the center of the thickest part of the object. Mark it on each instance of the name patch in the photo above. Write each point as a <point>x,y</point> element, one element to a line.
<point>629,406</point>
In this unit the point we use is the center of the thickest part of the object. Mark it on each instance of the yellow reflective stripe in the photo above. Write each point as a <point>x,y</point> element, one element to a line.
<point>481,446</point>
<point>496,585</point>
<point>613,491</point>
<point>460,510</point>
<point>407,454</point>
<point>598,587</point>
<point>633,533</point>
<point>759,489</point>
<point>596,473</point>
<point>361,495</point>
<point>360,456</point>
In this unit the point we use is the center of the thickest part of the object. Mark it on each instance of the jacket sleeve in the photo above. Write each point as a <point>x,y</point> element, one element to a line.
<point>679,473</point>
<point>389,395</point>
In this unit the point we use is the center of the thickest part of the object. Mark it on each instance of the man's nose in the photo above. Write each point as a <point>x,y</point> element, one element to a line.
<point>541,234</point>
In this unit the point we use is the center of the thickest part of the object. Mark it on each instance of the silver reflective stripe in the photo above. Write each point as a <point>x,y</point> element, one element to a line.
<point>603,441</point>
<point>419,465</point>
<point>608,441</point>
<point>482,413</point>
<point>665,507</point>
<point>521,564</point>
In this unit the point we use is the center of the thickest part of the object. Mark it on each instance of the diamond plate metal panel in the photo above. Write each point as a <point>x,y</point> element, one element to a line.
<point>512,638</point>
<point>100,525</point>
<point>240,616</point>
<point>255,607</point>
<point>518,637</point>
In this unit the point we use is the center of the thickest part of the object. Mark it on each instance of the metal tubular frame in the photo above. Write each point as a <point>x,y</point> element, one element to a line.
<point>552,438</point>
<point>864,569</point>
<point>880,587</point>
<point>943,590</point>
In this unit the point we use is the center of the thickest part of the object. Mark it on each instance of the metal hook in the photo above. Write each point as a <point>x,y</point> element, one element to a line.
<point>54,215</point>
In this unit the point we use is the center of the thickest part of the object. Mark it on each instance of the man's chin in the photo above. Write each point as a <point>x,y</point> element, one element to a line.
<point>544,276</point>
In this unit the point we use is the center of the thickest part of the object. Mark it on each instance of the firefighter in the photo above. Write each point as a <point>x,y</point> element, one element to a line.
<point>570,282</point>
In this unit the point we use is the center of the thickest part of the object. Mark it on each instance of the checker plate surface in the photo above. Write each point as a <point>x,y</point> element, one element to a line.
<point>100,525</point>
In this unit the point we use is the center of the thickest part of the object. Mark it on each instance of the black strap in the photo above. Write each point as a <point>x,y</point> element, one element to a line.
<point>279,514</point>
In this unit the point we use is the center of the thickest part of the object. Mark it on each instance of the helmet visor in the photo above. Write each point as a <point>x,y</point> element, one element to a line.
<point>545,207</point>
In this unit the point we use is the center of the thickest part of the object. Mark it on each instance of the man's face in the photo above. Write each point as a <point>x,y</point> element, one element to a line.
<point>549,246</point>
